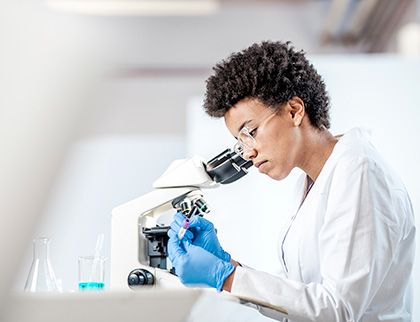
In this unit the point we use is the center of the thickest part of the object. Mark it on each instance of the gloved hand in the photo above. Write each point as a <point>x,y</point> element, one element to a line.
<point>201,233</point>
<point>196,266</point>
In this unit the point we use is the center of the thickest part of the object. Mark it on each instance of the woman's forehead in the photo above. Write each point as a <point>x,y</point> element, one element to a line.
<point>243,112</point>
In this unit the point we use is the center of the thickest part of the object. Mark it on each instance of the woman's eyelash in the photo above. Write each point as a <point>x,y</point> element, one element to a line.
<point>252,132</point>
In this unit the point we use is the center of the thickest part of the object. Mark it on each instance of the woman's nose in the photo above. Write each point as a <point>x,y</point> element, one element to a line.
<point>250,154</point>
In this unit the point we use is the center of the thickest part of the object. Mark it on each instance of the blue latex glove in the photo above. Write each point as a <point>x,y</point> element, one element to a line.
<point>196,266</point>
<point>201,233</point>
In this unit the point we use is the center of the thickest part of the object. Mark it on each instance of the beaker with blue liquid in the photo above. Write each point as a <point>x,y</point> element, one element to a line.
<point>91,273</point>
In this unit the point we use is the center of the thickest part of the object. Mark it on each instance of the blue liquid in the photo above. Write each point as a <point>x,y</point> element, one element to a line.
<point>91,286</point>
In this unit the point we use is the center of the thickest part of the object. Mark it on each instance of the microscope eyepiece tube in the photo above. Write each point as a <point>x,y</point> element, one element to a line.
<point>227,167</point>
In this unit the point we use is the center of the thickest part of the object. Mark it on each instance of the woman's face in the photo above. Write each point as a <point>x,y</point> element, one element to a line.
<point>277,135</point>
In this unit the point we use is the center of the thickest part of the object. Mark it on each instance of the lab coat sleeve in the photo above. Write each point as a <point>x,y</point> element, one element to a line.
<point>274,314</point>
<point>357,242</point>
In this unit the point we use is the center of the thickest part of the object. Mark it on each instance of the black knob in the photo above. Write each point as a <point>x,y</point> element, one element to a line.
<point>133,279</point>
<point>140,277</point>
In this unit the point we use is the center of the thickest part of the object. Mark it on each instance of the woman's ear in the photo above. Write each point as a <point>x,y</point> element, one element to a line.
<point>297,109</point>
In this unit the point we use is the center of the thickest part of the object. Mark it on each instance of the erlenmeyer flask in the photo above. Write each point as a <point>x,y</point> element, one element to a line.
<point>41,276</point>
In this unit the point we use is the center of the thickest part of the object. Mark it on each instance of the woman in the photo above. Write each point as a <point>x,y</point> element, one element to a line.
<point>348,251</point>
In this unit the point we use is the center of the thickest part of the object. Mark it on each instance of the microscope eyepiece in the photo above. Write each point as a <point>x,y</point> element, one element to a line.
<point>227,167</point>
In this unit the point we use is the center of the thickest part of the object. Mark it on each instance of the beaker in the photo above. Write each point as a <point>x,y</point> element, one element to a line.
<point>91,273</point>
<point>41,276</point>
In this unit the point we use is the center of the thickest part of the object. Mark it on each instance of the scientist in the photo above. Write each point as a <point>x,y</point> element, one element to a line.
<point>347,252</point>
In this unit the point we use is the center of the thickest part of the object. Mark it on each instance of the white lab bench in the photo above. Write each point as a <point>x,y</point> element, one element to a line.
<point>151,305</point>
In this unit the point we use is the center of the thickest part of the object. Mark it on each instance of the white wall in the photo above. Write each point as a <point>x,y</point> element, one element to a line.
<point>102,171</point>
<point>49,66</point>
<point>378,92</point>
<point>98,174</point>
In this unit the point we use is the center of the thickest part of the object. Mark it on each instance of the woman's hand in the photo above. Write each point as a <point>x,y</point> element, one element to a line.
<point>201,233</point>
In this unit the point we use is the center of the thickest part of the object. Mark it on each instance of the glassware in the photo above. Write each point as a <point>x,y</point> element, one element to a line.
<point>41,276</point>
<point>91,273</point>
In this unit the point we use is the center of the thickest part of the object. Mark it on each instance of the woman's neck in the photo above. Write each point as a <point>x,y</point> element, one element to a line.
<point>316,151</point>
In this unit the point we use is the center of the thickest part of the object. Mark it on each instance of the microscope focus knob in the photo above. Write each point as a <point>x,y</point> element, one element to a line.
<point>140,277</point>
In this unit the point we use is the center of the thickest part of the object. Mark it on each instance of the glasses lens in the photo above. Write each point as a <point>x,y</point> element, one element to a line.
<point>238,149</point>
<point>246,139</point>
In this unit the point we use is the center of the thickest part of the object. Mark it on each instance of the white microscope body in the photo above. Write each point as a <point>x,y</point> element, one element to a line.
<point>138,240</point>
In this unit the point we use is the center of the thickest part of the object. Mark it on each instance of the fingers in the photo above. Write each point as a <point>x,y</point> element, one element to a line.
<point>176,225</point>
<point>186,245</point>
<point>179,218</point>
<point>188,234</point>
<point>172,234</point>
<point>175,249</point>
<point>200,223</point>
<point>173,238</point>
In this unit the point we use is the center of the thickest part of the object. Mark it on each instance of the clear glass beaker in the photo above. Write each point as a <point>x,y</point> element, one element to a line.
<point>91,273</point>
<point>41,276</point>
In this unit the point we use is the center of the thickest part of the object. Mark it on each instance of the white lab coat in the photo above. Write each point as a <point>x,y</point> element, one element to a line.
<point>348,251</point>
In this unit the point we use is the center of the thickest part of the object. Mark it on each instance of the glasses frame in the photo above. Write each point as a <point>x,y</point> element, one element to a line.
<point>241,145</point>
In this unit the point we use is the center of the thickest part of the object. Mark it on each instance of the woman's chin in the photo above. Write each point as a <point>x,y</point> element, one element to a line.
<point>277,175</point>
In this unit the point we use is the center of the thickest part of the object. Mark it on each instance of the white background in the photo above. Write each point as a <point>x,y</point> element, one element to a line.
<point>378,92</point>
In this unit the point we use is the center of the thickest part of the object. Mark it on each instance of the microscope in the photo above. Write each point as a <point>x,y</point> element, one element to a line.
<point>139,236</point>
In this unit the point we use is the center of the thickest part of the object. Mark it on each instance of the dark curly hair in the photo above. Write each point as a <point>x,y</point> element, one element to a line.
<point>272,72</point>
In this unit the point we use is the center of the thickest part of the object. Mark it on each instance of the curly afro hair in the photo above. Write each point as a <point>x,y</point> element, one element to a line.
<point>272,72</point>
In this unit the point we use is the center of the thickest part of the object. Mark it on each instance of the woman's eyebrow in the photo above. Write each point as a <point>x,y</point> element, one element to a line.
<point>243,124</point>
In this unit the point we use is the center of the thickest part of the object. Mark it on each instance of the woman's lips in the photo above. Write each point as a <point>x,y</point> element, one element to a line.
<point>263,167</point>
<point>258,164</point>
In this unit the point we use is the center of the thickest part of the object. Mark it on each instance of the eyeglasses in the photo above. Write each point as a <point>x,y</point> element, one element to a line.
<point>246,137</point>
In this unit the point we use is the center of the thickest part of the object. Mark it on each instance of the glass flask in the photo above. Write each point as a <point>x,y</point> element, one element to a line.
<point>41,276</point>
